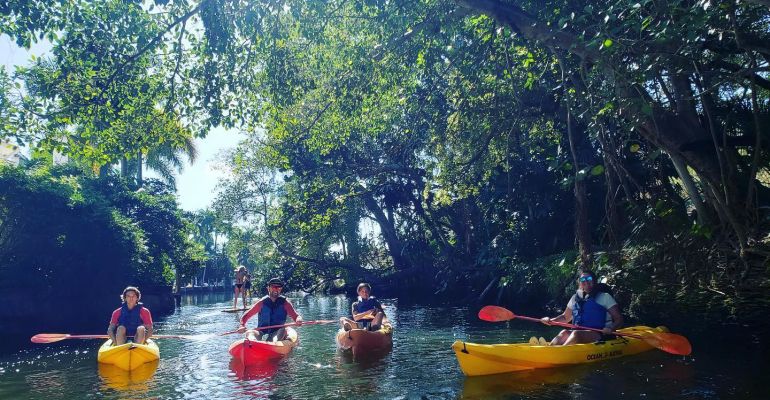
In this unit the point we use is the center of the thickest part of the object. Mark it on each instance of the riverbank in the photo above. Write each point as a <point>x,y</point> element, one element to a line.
<point>68,310</point>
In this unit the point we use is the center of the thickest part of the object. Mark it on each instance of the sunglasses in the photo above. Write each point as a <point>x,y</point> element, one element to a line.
<point>586,279</point>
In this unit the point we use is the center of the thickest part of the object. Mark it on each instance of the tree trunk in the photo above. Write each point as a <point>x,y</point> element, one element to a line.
<point>691,189</point>
<point>389,234</point>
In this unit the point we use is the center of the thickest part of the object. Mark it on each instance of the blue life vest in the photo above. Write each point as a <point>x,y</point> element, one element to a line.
<point>131,319</point>
<point>587,312</point>
<point>272,313</point>
<point>366,305</point>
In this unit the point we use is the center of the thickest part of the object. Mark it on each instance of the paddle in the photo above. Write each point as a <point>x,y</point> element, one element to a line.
<point>666,341</point>
<point>56,337</point>
<point>317,322</point>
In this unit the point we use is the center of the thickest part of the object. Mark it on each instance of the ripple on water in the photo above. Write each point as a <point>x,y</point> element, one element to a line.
<point>420,365</point>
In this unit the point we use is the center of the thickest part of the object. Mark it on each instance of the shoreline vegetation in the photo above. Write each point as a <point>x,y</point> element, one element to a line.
<point>471,152</point>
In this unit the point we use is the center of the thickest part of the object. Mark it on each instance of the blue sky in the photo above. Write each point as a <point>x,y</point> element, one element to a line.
<point>196,185</point>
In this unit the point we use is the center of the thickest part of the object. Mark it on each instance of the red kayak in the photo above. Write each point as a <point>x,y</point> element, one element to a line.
<point>362,341</point>
<point>251,352</point>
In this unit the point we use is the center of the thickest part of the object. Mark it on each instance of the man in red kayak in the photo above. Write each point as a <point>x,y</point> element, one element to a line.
<point>591,306</point>
<point>131,319</point>
<point>272,310</point>
<point>367,311</point>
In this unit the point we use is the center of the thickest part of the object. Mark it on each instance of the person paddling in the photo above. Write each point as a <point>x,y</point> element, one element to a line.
<point>591,306</point>
<point>367,311</point>
<point>272,310</point>
<point>132,318</point>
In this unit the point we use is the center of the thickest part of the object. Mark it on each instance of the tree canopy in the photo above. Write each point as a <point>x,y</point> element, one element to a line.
<point>475,136</point>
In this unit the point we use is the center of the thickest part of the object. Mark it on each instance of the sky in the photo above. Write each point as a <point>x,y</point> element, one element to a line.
<point>197,183</point>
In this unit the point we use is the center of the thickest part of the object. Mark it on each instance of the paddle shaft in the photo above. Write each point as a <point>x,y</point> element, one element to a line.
<point>566,325</point>
<point>262,328</point>
<point>55,337</point>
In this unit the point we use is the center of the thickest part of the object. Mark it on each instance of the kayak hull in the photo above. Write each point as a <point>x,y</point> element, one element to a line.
<point>361,341</point>
<point>487,359</point>
<point>128,356</point>
<point>251,352</point>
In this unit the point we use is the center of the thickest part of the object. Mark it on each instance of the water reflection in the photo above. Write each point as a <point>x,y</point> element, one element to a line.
<point>420,365</point>
<point>524,383</point>
<point>364,361</point>
<point>255,381</point>
<point>136,380</point>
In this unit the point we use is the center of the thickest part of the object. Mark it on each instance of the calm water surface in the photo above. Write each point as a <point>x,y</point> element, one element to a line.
<point>421,365</point>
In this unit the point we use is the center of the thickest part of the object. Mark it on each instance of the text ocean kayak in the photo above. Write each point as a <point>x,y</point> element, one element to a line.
<point>486,359</point>
<point>251,352</point>
<point>362,341</point>
<point>128,356</point>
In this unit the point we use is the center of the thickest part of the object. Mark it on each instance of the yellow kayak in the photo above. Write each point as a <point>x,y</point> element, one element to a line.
<point>128,356</point>
<point>487,359</point>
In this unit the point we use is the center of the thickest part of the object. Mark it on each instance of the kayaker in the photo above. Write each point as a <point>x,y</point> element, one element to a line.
<point>272,310</point>
<point>592,307</point>
<point>240,275</point>
<point>367,311</point>
<point>132,318</point>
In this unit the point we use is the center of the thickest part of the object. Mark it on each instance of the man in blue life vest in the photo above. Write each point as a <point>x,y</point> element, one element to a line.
<point>130,319</point>
<point>591,306</point>
<point>367,311</point>
<point>271,310</point>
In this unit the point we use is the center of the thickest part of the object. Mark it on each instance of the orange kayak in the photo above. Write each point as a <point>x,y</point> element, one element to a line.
<point>251,352</point>
<point>362,341</point>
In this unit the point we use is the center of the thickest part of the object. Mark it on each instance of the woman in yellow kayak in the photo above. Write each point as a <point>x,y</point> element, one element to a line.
<point>590,306</point>
<point>272,310</point>
<point>367,311</point>
<point>130,319</point>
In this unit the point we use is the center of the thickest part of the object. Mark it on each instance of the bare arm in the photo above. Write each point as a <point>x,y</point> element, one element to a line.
<point>566,316</point>
<point>111,332</point>
<point>617,318</point>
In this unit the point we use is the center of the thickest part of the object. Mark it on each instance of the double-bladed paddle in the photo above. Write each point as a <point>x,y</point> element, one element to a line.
<point>262,328</point>
<point>666,341</point>
<point>56,337</point>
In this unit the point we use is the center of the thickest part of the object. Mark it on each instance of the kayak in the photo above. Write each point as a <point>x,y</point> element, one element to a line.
<point>362,341</point>
<point>250,352</point>
<point>128,356</point>
<point>487,359</point>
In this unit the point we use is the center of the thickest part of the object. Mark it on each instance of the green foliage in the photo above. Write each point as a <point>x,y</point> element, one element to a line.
<point>437,139</point>
<point>63,227</point>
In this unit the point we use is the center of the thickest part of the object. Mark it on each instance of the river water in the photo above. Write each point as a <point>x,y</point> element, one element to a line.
<point>420,366</point>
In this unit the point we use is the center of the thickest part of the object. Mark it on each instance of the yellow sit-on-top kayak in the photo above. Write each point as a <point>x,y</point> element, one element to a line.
<point>128,356</point>
<point>487,359</point>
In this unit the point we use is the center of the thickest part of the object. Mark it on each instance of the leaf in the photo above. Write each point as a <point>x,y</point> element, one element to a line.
<point>597,170</point>
<point>634,148</point>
